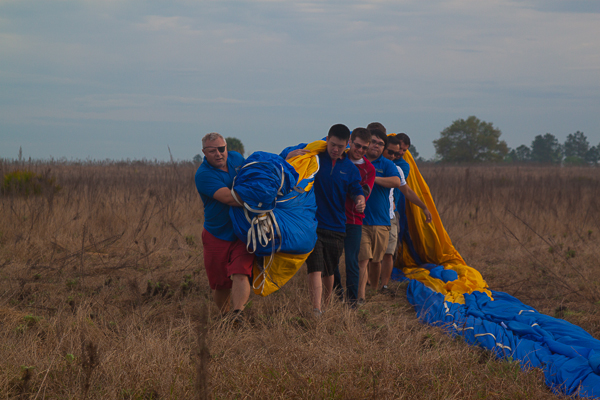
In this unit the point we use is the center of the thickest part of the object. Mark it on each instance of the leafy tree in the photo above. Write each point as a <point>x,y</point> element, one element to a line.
<point>520,154</point>
<point>593,155</point>
<point>415,153</point>
<point>523,153</point>
<point>546,149</point>
<point>197,159</point>
<point>576,145</point>
<point>574,160</point>
<point>470,140</point>
<point>235,144</point>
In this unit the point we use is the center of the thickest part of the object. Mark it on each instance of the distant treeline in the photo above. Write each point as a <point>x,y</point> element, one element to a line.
<point>473,140</point>
<point>465,141</point>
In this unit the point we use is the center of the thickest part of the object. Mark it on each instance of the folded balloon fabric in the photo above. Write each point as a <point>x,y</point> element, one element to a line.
<point>446,292</point>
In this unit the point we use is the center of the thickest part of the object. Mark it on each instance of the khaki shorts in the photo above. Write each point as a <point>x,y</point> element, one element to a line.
<point>393,241</point>
<point>373,242</point>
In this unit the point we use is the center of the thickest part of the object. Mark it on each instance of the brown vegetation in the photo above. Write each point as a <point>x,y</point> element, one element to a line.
<point>103,293</point>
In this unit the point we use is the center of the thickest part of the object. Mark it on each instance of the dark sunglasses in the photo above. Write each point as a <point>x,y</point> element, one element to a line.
<point>377,142</point>
<point>394,153</point>
<point>220,148</point>
<point>360,147</point>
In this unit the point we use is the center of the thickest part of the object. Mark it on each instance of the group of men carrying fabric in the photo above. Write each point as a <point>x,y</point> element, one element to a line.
<point>358,207</point>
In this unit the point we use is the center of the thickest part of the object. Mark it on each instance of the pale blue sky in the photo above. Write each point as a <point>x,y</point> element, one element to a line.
<point>125,79</point>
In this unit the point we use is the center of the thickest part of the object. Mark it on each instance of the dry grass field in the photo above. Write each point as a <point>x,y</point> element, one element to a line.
<point>103,293</point>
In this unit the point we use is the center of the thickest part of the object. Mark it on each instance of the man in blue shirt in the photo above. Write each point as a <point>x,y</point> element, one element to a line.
<point>227,262</point>
<point>377,223</point>
<point>337,178</point>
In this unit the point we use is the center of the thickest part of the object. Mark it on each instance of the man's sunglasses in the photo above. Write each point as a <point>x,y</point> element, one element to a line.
<point>360,147</point>
<point>220,148</point>
<point>394,153</point>
<point>377,142</point>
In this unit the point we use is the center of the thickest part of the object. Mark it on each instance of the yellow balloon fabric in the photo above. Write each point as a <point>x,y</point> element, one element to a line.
<point>433,245</point>
<point>281,270</point>
<point>307,165</point>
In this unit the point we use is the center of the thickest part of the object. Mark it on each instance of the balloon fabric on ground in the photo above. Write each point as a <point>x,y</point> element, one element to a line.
<point>446,292</point>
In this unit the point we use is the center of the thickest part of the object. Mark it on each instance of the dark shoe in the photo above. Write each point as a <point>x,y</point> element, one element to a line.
<point>385,290</point>
<point>235,318</point>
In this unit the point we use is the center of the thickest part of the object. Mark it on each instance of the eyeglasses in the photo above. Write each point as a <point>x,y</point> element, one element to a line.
<point>377,142</point>
<point>360,147</point>
<point>394,153</point>
<point>220,148</point>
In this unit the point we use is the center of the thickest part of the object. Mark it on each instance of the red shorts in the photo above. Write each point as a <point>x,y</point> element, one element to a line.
<point>223,259</point>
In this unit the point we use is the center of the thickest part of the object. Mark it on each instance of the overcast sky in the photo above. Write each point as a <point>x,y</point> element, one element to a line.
<point>125,78</point>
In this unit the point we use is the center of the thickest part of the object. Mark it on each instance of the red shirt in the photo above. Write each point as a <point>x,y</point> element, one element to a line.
<point>367,180</point>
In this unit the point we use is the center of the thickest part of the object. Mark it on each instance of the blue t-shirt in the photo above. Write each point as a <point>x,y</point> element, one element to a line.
<point>378,205</point>
<point>404,166</point>
<point>398,196</point>
<point>210,179</point>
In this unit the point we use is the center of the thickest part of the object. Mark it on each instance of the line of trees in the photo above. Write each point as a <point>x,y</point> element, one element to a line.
<point>473,140</point>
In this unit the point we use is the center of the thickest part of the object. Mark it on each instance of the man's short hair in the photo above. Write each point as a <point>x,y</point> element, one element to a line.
<point>209,137</point>
<point>362,134</point>
<point>376,125</point>
<point>340,131</point>
<point>380,135</point>
<point>393,140</point>
<point>403,137</point>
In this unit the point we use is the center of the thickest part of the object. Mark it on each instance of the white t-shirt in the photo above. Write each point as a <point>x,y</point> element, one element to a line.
<point>402,183</point>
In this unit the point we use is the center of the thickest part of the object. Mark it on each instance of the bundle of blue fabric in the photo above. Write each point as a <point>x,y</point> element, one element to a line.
<point>266,182</point>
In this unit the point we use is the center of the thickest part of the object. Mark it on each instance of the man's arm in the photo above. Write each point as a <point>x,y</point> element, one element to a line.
<point>295,153</point>
<point>286,154</point>
<point>224,196</point>
<point>356,191</point>
<point>388,182</point>
<point>413,198</point>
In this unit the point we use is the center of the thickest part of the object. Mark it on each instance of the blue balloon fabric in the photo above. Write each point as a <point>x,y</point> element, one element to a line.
<point>568,355</point>
<point>263,178</point>
<point>259,185</point>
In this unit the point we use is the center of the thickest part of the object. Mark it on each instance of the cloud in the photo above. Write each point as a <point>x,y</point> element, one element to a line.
<point>125,101</point>
<point>562,6</point>
<point>157,23</point>
<point>281,68</point>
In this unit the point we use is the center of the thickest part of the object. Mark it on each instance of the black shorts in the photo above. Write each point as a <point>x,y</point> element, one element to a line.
<point>327,252</point>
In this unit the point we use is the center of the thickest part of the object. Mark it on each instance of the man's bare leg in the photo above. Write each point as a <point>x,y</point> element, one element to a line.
<point>387,265</point>
<point>374,273</point>
<point>315,288</point>
<point>240,291</point>
<point>362,278</point>
<point>327,288</point>
<point>221,298</point>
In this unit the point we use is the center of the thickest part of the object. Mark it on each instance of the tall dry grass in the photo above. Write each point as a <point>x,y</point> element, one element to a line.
<point>103,293</point>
